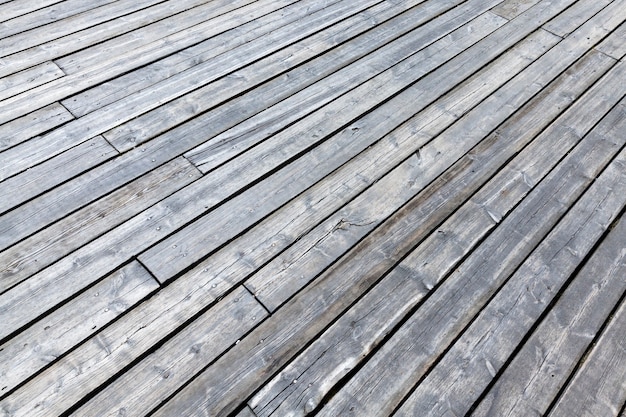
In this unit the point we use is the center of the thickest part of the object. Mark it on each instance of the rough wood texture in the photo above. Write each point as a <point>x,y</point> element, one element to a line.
<point>53,335</point>
<point>534,377</point>
<point>311,207</point>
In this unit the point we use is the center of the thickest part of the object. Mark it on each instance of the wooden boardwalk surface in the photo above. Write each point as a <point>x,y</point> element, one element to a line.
<point>312,207</point>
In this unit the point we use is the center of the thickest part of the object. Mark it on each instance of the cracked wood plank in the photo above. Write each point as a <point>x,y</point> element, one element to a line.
<point>50,337</point>
<point>180,250</point>
<point>294,268</point>
<point>428,265</point>
<point>479,354</point>
<point>61,238</point>
<point>598,387</point>
<point>536,374</point>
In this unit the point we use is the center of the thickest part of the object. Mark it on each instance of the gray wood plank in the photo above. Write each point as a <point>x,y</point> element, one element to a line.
<point>143,77</point>
<point>227,15</point>
<point>294,268</point>
<point>108,50</point>
<point>40,35</point>
<point>510,9</point>
<point>180,301</point>
<point>137,233</point>
<point>29,78</point>
<point>221,367</point>
<point>238,139</point>
<point>615,44</point>
<point>182,250</point>
<point>534,377</point>
<point>246,412</point>
<point>178,111</point>
<point>42,249</point>
<point>177,252</point>
<point>36,151</point>
<point>46,15</point>
<point>575,16</point>
<point>30,125</point>
<point>53,172</point>
<point>11,9</point>
<point>475,358</point>
<point>218,183</point>
<point>436,256</point>
<point>157,376</point>
<point>53,335</point>
<point>598,388</point>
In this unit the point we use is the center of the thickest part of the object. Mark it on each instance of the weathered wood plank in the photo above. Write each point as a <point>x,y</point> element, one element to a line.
<point>35,123</point>
<point>246,412</point>
<point>181,300</point>
<point>107,51</point>
<point>40,35</point>
<point>183,248</point>
<point>12,9</point>
<point>53,172</point>
<point>537,373</point>
<point>615,44</point>
<point>350,60</point>
<point>29,78</point>
<point>126,84</point>
<point>222,367</point>
<point>157,376</point>
<point>53,335</point>
<point>36,151</point>
<point>42,249</point>
<point>475,358</point>
<point>430,263</point>
<point>46,15</point>
<point>280,279</point>
<point>510,9</point>
<point>598,387</point>
<point>227,15</point>
<point>575,16</point>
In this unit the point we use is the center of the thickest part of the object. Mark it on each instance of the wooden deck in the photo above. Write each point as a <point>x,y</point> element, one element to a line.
<point>263,208</point>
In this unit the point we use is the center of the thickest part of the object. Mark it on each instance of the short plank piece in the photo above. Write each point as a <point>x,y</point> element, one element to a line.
<point>615,44</point>
<point>53,335</point>
<point>29,78</point>
<point>164,371</point>
<point>510,9</point>
<point>599,385</point>
<point>478,355</point>
<point>321,366</point>
<point>246,412</point>
<point>574,16</point>
<point>33,124</point>
<point>222,16</point>
<point>47,15</point>
<point>10,9</point>
<point>536,374</point>
<point>53,172</point>
<point>42,249</point>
